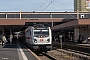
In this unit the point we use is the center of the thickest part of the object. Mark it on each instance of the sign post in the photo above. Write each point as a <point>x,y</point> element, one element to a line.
<point>61,43</point>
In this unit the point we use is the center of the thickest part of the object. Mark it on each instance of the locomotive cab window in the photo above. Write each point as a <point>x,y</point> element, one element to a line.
<point>41,32</point>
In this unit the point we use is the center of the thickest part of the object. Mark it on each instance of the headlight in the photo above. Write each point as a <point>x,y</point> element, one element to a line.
<point>35,40</point>
<point>48,40</point>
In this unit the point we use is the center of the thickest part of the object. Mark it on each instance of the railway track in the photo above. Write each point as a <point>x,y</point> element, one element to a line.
<point>76,47</point>
<point>45,56</point>
<point>69,53</point>
<point>56,54</point>
<point>75,50</point>
<point>48,55</point>
<point>42,56</point>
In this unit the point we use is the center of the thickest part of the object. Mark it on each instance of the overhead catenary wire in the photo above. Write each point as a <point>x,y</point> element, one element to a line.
<point>37,8</point>
<point>41,5</point>
<point>44,3</point>
<point>48,5</point>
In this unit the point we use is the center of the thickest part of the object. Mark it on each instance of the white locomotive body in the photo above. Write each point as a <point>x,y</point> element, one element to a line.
<point>39,38</point>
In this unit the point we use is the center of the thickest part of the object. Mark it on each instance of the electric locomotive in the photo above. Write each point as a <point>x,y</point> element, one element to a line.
<point>39,38</point>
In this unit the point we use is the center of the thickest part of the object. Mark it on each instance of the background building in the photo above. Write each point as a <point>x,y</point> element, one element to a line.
<point>82,5</point>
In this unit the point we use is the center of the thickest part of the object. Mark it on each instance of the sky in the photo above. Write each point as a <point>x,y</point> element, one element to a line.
<point>37,5</point>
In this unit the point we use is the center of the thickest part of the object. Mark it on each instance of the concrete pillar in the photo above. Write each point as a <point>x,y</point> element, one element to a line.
<point>3,30</point>
<point>52,23</point>
<point>20,15</point>
<point>6,15</point>
<point>86,34</point>
<point>2,33</point>
<point>77,14</point>
<point>50,15</point>
<point>76,34</point>
<point>11,36</point>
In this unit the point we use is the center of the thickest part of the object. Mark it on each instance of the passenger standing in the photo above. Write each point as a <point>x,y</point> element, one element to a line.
<point>3,40</point>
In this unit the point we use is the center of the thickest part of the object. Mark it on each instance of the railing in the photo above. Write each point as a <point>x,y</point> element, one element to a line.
<point>21,15</point>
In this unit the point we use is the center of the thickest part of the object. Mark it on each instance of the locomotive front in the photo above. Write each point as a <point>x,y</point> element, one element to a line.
<point>42,39</point>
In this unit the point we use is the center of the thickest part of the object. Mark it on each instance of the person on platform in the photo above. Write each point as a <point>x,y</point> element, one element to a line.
<point>3,40</point>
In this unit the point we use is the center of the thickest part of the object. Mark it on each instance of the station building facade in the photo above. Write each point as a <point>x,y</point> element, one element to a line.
<point>82,5</point>
<point>60,22</point>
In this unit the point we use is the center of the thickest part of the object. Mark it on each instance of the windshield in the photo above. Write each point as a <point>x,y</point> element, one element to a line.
<point>41,33</point>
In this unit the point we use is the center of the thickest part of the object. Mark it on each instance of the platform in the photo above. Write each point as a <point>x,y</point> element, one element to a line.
<point>15,51</point>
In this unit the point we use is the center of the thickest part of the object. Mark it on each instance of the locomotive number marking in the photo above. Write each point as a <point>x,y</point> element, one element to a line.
<point>41,40</point>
